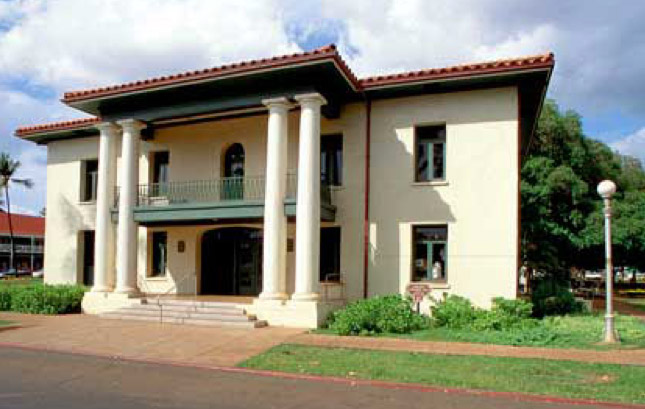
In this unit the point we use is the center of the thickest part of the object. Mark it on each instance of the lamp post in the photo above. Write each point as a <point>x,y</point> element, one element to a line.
<point>606,190</point>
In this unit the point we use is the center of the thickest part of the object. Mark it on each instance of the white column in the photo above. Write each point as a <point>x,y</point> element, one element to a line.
<point>104,233</point>
<point>126,250</point>
<point>275,220</point>
<point>308,201</point>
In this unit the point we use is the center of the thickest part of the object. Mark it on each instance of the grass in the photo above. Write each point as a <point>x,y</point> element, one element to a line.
<point>4,323</point>
<point>608,382</point>
<point>638,303</point>
<point>577,331</point>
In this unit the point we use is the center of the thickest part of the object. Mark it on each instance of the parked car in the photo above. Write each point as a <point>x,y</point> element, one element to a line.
<point>38,274</point>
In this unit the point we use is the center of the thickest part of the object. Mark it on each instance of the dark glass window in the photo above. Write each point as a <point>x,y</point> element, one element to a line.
<point>430,153</point>
<point>331,160</point>
<point>159,253</point>
<point>330,254</point>
<point>90,180</point>
<point>160,164</point>
<point>430,253</point>
<point>234,161</point>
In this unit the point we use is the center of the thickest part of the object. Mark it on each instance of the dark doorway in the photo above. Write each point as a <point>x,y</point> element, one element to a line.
<point>87,238</point>
<point>232,261</point>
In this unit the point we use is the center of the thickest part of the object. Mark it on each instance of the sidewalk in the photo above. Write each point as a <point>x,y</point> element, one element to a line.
<point>629,357</point>
<point>140,340</point>
<point>205,346</point>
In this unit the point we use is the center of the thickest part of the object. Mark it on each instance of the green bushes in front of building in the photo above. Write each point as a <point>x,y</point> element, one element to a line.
<point>41,298</point>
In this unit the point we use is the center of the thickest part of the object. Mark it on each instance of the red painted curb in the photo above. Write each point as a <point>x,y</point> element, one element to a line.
<point>338,380</point>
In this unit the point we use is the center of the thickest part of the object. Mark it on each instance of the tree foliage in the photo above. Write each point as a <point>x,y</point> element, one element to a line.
<point>562,220</point>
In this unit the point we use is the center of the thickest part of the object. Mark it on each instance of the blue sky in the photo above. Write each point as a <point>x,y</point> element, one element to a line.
<point>48,47</point>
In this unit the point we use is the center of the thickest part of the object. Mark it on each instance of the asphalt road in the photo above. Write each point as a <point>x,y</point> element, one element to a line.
<point>46,380</point>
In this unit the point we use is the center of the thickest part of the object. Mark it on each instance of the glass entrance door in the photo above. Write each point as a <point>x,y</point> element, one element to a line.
<point>232,261</point>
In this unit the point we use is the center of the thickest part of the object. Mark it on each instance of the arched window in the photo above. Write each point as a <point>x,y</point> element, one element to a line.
<point>234,161</point>
<point>233,182</point>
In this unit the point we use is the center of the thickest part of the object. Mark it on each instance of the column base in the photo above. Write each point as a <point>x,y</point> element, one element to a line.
<point>101,302</point>
<point>101,289</point>
<point>273,296</point>
<point>128,291</point>
<point>305,297</point>
<point>293,314</point>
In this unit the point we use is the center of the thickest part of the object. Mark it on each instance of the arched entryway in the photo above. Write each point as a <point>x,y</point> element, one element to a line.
<point>232,261</point>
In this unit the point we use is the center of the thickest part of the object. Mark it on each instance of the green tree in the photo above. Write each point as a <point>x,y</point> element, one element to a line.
<point>8,168</point>
<point>561,211</point>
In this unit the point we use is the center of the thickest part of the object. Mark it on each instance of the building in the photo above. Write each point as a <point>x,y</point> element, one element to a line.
<point>294,182</point>
<point>28,239</point>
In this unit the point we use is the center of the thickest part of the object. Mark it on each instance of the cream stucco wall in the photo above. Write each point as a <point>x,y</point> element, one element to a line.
<point>478,202</point>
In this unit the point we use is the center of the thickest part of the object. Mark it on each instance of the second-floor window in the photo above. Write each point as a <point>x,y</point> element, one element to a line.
<point>331,160</point>
<point>159,173</point>
<point>430,153</point>
<point>89,182</point>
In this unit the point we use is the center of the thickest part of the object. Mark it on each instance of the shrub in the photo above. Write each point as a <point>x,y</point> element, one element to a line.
<point>387,314</point>
<point>552,298</point>
<point>454,312</point>
<point>458,313</point>
<point>42,299</point>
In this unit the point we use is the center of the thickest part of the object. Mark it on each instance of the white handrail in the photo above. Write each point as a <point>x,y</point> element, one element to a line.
<point>174,287</point>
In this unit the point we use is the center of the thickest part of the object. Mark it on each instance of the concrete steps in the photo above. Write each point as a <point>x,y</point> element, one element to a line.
<point>188,312</point>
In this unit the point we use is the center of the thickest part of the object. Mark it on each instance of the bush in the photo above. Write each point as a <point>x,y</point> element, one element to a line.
<point>458,313</point>
<point>552,298</point>
<point>42,298</point>
<point>388,314</point>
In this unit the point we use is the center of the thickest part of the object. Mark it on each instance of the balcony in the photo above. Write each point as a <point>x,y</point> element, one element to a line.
<point>215,199</point>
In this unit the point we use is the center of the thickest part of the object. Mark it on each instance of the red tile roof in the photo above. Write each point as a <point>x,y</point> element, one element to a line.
<point>57,126</point>
<point>327,52</point>
<point>23,225</point>
<point>461,71</point>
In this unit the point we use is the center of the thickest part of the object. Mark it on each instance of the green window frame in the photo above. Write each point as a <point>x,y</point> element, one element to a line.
<point>159,254</point>
<point>430,153</point>
<point>430,253</point>
<point>90,180</point>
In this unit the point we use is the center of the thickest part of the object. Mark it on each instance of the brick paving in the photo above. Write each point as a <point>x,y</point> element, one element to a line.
<point>623,356</point>
<point>207,346</point>
<point>142,340</point>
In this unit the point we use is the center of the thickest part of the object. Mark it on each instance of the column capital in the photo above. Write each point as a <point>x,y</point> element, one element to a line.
<point>312,98</point>
<point>278,103</point>
<point>132,125</point>
<point>107,127</point>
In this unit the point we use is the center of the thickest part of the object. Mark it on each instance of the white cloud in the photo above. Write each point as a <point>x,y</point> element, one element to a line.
<point>67,44</point>
<point>632,145</point>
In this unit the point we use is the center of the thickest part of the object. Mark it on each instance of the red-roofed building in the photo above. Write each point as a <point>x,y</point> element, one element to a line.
<point>29,240</point>
<point>292,185</point>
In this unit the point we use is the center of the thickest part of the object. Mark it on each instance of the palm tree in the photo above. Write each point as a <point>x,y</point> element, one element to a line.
<point>8,168</point>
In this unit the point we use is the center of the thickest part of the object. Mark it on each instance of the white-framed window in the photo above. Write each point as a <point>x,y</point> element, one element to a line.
<point>89,180</point>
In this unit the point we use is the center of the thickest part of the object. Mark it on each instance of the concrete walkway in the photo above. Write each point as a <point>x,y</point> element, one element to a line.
<point>141,340</point>
<point>623,356</point>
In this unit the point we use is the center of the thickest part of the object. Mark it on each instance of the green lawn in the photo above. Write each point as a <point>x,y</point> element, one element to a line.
<point>534,376</point>
<point>581,331</point>
<point>635,302</point>
<point>4,323</point>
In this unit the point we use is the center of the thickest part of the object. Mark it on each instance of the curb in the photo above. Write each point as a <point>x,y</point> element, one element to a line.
<point>337,380</point>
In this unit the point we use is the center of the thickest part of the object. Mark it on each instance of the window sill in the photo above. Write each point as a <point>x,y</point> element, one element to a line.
<point>87,203</point>
<point>434,285</point>
<point>431,183</point>
<point>157,278</point>
<point>335,188</point>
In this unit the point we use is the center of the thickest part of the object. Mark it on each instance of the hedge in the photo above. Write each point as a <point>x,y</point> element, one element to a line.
<point>42,298</point>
